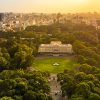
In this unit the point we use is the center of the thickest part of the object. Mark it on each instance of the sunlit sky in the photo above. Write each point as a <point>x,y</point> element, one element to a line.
<point>50,6</point>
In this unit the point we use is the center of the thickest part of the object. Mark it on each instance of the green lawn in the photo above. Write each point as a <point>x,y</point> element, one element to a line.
<point>46,64</point>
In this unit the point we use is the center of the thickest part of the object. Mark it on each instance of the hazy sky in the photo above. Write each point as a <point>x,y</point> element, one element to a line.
<point>62,6</point>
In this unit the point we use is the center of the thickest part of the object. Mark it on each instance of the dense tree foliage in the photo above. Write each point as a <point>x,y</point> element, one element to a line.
<point>23,85</point>
<point>17,56</point>
<point>83,84</point>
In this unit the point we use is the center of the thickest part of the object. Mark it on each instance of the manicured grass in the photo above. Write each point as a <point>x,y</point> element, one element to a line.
<point>46,64</point>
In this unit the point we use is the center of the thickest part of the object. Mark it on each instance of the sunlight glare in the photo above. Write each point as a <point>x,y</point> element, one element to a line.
<point>78,2</point>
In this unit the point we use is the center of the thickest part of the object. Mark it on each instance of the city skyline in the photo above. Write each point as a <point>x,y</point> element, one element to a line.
<point>49,6</point>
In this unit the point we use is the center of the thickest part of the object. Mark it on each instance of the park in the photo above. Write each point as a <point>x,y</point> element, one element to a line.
<point>54,64</point>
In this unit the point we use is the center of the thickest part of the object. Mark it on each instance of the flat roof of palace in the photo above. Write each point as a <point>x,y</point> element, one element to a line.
<point>55,43</point>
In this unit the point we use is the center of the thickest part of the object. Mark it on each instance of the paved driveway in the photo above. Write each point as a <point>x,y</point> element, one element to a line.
<point>55,88</point>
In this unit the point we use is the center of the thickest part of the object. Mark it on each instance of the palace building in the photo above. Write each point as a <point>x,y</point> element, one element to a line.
<point>55,48</point>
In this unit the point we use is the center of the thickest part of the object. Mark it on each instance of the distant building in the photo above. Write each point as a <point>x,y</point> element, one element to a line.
<point>1,16</point>
<point>3,40</point>
<point>55,48</point>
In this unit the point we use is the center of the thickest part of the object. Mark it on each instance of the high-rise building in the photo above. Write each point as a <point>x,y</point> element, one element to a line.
<point>1,16</point>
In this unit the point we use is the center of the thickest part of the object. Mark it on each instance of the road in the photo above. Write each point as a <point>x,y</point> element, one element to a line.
<point>55,88</point>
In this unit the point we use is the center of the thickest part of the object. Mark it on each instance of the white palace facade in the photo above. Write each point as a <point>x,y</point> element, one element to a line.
<point>55,48</point>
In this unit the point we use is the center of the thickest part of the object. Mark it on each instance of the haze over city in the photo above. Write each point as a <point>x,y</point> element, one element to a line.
<point>49,6</point>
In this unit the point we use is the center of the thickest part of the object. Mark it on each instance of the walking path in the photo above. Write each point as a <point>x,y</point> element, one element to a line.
<point>55,88</point>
